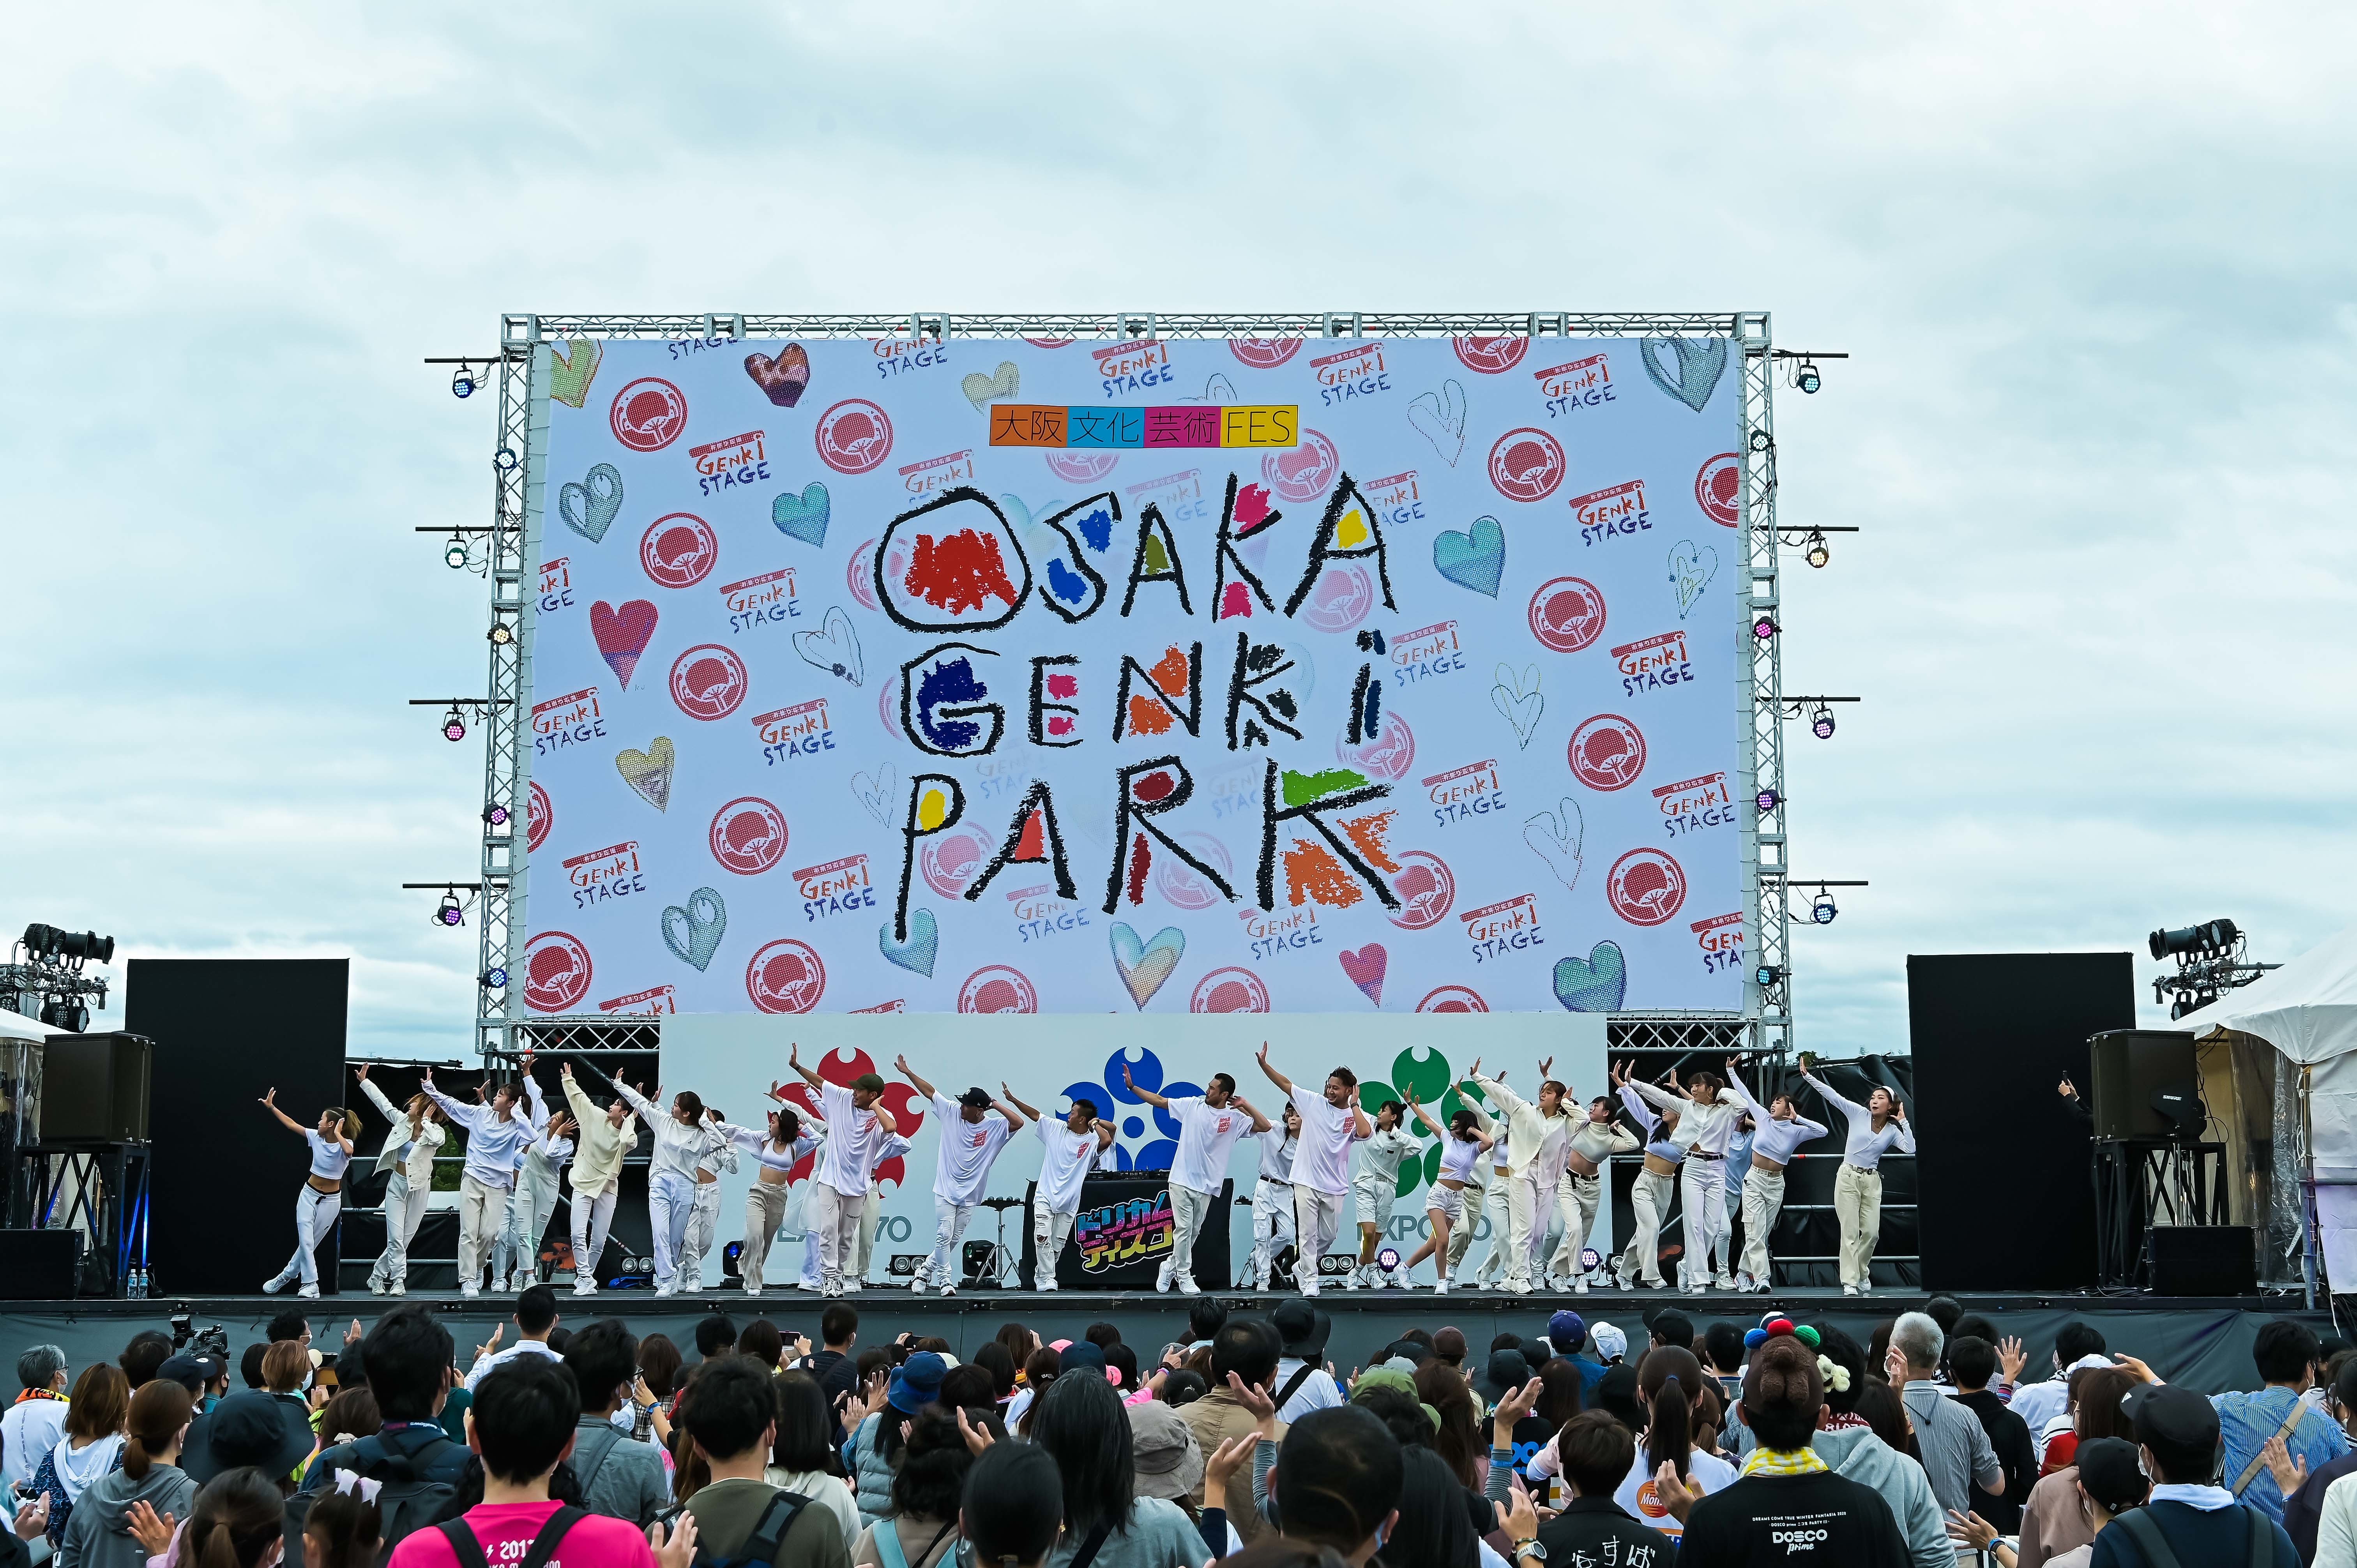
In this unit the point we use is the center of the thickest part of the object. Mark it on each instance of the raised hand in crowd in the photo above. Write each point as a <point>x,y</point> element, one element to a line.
<point>2290,1474</point>
<point>151,1530</point>
<point>675,1547</point>
<point>977,1438</point>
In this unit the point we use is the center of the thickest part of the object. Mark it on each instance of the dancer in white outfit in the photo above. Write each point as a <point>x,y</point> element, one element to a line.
<point>1074,1144</point>
<point>704,1214</point>
<point>681,1137</point>
<point>1539,1133</point>
<point>1777,1130</point>
<point>1494,1201</point>
<point>1330,1122</point>
<point>1273,1195</point>
<point>407,1160</point>
<point>606,1135</point>
<point>1462,1144</point>
<point>1706,1118</point>
<point>1650,1197</point>
<point>1581,1190</point>
<point>871,1212</point>
<point>1375,1188</point>
<point>971,1139</point>
<point>322,1195</point>
<point>540,1172</point>
<point>1877,1128</point>
<point>495,1132</point>
<point>1208,1125</point>
<point>857,1127</point>
<point>789,1138</point>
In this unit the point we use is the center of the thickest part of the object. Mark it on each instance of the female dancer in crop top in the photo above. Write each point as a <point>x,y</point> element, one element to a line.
<point>1706,1125</point>
<point>1650,1197</point>
<point>1777,1130</point>
<point>321,1197</point>
<point>1877,1128</point>
<point>1462,1143</point>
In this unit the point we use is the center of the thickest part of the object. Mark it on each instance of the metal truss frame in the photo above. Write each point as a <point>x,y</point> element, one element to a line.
<point>501,1026</point>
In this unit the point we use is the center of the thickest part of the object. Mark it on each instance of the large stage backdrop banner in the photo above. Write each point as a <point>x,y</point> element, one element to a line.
<point>1211,675</point>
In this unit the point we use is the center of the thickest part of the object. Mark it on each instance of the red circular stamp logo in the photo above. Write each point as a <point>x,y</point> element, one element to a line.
<point>1645,887</point>
<point>555,972</point>
<point>707,682</point>
<point>951,860</point>
<point>1718,489</point>
<point>1526,464</point>
<point>853,436</point>
<point>1341,599</point>
<point>649,415</point>
<point>679,551</point>
<point>1425,888</point>
<point>1230,990</point>
<point>1263,354</point>
<point>748,835</point>
<point>1568,614</point>
<point>1490,356</point>
<point>859,574</point>
<point>539,816</point>
<point>1180,884</point>
<point>1387,754</point>
<point>996,988</point>
<point>1080,465</point>
<point>785,976</point>
<point>1452,999</point>
<point>1303,473</point>
<point>1608,752</point>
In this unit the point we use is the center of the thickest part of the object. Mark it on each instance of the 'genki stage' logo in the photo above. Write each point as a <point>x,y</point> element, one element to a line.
<point>837,887</point>
<point>602,874</point>
<point>1425,888</point>
<point>1645,887</point>
<point>564,721</point>
<point>1462,794</point>
<point>557,972</point>
<point>707,682</point>
<point>1341,598</point>
<point>1653,663</point>
<point>648,414</point>
<point>643,1004</point>
<point>785,976</point>
<point>1426,652</point>
<point>1353,373</point>
<point>1526,464</point>
<point>1265,353</point>
<point>1568,614</point>
<point>801,730</point>
<point>1452,999</point>
<point>1582,384</point>
<point>1281,931</point>
<point>555,585</point>
<point>539,816</point>
<point>1398,498</point>
<point>853,436</point>
<point>1718,489</point>
<point>1131,366</point>
<point>766,600</point>
<point>1490,356</point>
<point>1230,990</point>
<point>1039,914</point>
<point>1613,513</point>
<point>747,835</point>
<point>736,460</point>
<point>1508,926</point>
<point>1693,804</point>
<point>898,356</point>
<point>997,988</point>
<point>937,474</point>
<point>679,551</point>
<point>1721,939</point>
<point>1607,752</point>
<point>1303,473</point>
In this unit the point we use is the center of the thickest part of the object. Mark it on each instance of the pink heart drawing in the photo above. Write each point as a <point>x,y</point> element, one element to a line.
<point>622,634</point>
<point>1365,967</point>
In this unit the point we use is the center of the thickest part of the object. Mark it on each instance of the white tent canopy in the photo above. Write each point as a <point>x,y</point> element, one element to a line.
<point>2306,1009</point>
<point>16,1027</point>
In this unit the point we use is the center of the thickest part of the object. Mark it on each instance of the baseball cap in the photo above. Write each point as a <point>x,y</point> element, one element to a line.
<point>255,1428</point>
<point>1611,1344</point>
<point>1566,1331</point>
<point>2111,1471</point>
<point>1078,1354</point>
<point>977,1098</point>
<point>2177,1418</point>
<point>192,1372</point>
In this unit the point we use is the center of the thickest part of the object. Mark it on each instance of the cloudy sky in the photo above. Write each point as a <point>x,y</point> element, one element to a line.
<point>2093,265</point>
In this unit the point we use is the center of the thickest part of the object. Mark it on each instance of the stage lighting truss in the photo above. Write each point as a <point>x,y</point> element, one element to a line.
<point>1822,907</point>
<point>44,978</point>
<point>2212,959</point>
<point>1811,542</point>
<point>1818,711</point>
<point>467,379</point>
<point>461,549</point>
<point>450,910</point>
<point>454,712</point>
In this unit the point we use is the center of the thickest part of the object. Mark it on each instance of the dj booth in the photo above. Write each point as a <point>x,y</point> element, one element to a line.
<point>1124,1232</point>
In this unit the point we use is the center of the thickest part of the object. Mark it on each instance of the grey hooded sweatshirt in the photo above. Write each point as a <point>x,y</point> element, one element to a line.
<point>1857,1454</point>
<point>97,1536</point>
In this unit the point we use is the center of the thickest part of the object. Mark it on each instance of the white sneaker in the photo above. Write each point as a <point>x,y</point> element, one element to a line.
<point>275,1283</point>
<point>1579,1285</point>
<point>469,1291</point>
<point>397,1290</point>
<point>1725,1282</point>
<point>1186,1285</point>
<point>1048,1283</point>
<point>498,1284</point>
<point>309,1293</point>
<point>948,1289</point>
<point>1352,1280</point>
<point>1441,1288</point>
<point>583,1288</point>
<point>376,1286</point>
<point>1849,1290</point>
<point>1162,1276</point>
<point>1657,1285</point>
<point>917,1285</point>
<point>1310,1287</point>
<point>1399,1280</point>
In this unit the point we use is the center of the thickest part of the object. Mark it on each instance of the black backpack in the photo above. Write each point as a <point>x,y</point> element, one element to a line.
<point>760,1549</point>
<point>2144,1532</point>
<point>409,1502</point>
<point>469,1550</point>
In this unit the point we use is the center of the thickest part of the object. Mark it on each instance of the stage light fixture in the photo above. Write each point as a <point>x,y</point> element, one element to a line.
<point>1767,974</point>
<point>462,384</point>
<point>1764,627</point>
<point>496,816</point>
<point>80,947</point>
<point>454,726</point>
<point>454,555</point>
<point>1767,800</point>
<point>448,912</point>
<point>495,978</point>
<point>42,941</point>
<point>504,460</point>
<point>1819,553</point>
<point>501,634</point>
<point>2209,936</point>
<point>1759,440</point>
<point>1822,911</point>
<point>1821,723</point>
<point>1809,380</point>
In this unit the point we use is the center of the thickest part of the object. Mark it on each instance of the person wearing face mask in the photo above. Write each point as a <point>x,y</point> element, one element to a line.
<point>321,1197</point>
<point>2111,1480</point>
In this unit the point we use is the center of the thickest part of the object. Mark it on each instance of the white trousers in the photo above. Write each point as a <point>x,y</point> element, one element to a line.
<point>670,1197</point>
<point>1498,1211</point>
<point>1315,1216</point>
<point>1272,1226</point>
<point>1763,1199</point>
<point>592,1218</point>
<point>1187,1208</point>
<point>703,1228</point>
<point>835,1217</point>
<point>862,1243</point>
<point>1705,1197</point>
<point>1541,1221</point>
<point>1050,1232</point>
<point>314,1212</point>
<point>1521,1209</point>
<point>765,1210</point>
<point>482,1215</point>
<point>1576,1199</point>
<point>518,1252</point>
<point>1461,1233</point>
<point>941,1266</point>
<point>404,1211</point>
<point>1642,1259</point>
<point>1857,1204</point>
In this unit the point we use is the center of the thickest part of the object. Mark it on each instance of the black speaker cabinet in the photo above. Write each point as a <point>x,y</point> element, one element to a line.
<point>2127,1067</point>
<point>2204,1259</point>
<point>94,1088</point>
<point>38,1266</point>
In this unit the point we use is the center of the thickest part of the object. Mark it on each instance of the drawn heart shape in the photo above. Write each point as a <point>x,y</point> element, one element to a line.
<point>1595,983</point>
<point>923,946</point>
<point>1692,567</point>
<point>875,794</point>
<point>589,506</point>
<point>622,634</point>
<point>1143,966</point>
<point>695,934</point>
<point>834,647</point>
<point>1365,967</point>
<point>1517,698</point>
<point>1439,418</point>
<point>1475,559</point>
<point>980,389</point>
<point>783,379</point>
<point>1219,390</point>
<point>803,516</point>
<point>649,771</point>
<point>1700,364</point>
<point>571,368</point>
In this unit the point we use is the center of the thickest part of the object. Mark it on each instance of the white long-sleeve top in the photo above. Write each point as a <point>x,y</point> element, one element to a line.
<point>757,1144</point>
<point>719,1151</point>
<point>1866,1146</point>
<point>1705,1126</point>
<point>412,1157</point>
<point>677,1146</point>
<point>598,1157</point>
<point>1527,1128</point>
<point>543,1155</point>
<point>1771,1139</point>
<point>1598,1141</point>
<point>1659,1147</point>
<point>493,1141</point>
<point>1499,1156</point>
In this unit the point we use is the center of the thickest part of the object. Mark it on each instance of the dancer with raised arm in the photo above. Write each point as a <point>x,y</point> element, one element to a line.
<point>540,1172</point>
<point>704,1213</point>
<point>1597,1139</point>
<point>1777,1130</point>
<point>1650,1197</point>
<point>1273,1194</point>
<point>1375,1188</point>
<point>496,1130</point>
<point>1074,1146</point>
<point>896,1146</point>
<point>1208,1125</point>
<point>321,1197</point>
<point>408,1159</point>
<point>972,1136</point>
<point>1877,1128</point>
<point>776,1151</point>
<point>1495,1172</point>
<point>680,1140</point>
<point>1539,1134</point>
<point>607,1134</point>
<point>857,1126</point>
<point>1706,1118</point>
<point>1330,1122</point>
<point>1462,1144</point>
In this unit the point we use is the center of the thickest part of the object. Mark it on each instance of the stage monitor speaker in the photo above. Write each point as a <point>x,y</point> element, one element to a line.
<point>94,1088</point>
<point>2128,1067</point>
<point>2204,1259</point>
<point>38,1266</point>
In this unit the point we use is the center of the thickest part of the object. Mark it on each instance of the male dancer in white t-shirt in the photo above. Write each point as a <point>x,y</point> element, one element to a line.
<point>1330,1122</point>
<point>1074,1144</point>
<point>1208,1125</point>
<point>971,1139</point>
<point>857,1126</point>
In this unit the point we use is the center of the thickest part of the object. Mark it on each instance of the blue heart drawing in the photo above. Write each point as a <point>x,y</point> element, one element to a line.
<point>1595,983</point>
<point>923,946</point>
<point>589,506</point>
<point>1475,559</point>
<point>1701,361</point>
<point>1145,965</point>
<point>693,931</point>
<point>803,516</point>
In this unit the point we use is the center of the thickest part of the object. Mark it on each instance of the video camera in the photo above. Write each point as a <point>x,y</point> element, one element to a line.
<point>212,1340</point>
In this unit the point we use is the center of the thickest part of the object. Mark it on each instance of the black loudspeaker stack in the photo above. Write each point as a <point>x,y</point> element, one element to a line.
<point>94,1088</point>
<point>2128,1066</point>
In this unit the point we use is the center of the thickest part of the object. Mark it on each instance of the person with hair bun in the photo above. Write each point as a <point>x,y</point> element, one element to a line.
<point>239,1522</point>
<point>99,1534</point>
<point>321,1197</point>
